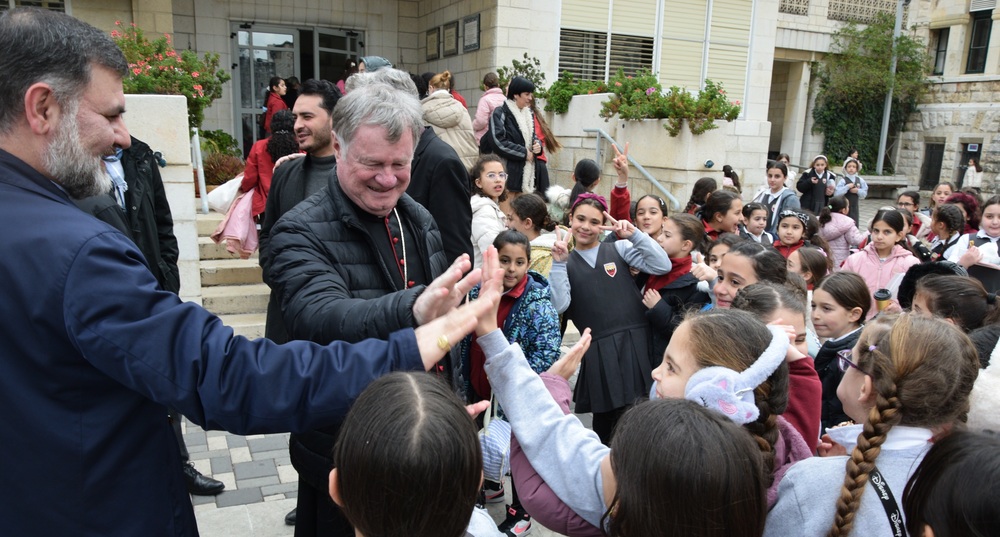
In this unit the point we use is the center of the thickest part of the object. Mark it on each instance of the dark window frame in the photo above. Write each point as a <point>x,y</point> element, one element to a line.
<point>941,51</point>
<point>979,41</point>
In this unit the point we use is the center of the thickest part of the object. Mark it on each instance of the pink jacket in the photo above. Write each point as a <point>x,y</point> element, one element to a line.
<point>238,228</point>
<point>878,274</point>
<point>490,100</point>
<point>842,235</point>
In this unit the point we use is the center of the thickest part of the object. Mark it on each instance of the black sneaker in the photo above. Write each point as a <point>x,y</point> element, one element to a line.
<point>517,523</point>
<point>493,491</point>
<point>199,484</point>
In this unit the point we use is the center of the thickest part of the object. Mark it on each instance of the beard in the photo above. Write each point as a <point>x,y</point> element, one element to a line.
<point>70,164</point>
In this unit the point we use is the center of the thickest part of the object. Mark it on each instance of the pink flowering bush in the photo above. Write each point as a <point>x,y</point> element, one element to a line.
<point>156,68</point>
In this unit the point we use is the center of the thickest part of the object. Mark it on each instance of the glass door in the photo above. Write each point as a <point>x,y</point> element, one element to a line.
<point>263,53</point>
<point>333,48</point>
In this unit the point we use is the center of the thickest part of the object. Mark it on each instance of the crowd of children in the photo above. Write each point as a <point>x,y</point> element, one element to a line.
<point>798,353</point>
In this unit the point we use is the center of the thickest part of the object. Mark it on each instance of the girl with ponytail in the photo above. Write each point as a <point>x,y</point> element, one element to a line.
<point>839,230</point>
<point>906,382</point>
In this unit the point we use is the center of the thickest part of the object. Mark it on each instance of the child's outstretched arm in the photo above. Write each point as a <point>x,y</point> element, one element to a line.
<point>566,454</point>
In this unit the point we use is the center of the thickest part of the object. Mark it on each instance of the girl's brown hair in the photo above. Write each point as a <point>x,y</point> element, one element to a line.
<point>922,371</point>
<point>532,206</point>
<point>735,339</point>
<point>849,290</point>
<point>691,229</point>
<point>962,299</point>
<point>815,261</point>
<point>477,170</point>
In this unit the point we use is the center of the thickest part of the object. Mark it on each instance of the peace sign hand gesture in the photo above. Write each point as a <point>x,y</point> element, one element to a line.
<point>621,163</point>
<point>560,249</point>
<point>623,228</point>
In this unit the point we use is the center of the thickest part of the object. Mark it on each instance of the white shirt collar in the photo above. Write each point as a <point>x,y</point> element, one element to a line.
<point>900,437</point>
<point>982,235</point>
<point>845,335</point>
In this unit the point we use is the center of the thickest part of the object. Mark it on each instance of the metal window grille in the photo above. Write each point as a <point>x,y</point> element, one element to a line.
<point>794,7</point>
<point>860,11</point>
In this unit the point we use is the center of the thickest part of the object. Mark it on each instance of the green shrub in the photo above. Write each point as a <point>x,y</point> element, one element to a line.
<point>642,97</point>
<point>219,141</point>
<point>567,87</point>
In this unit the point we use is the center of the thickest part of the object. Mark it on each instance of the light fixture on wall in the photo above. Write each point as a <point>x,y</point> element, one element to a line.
<point>709,164</point>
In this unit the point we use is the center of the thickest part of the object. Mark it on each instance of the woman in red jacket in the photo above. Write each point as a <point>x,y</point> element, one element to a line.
<point>263,155</point>
<point>275,103</point>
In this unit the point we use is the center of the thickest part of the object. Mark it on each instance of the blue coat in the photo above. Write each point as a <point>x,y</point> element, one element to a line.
<point>91,351</point>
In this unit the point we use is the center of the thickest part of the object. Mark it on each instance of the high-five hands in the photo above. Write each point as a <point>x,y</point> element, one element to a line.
<point>437,334</point>
<point>446,291</point>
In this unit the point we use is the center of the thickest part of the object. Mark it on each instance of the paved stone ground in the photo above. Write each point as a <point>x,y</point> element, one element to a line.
<point>261,483</point>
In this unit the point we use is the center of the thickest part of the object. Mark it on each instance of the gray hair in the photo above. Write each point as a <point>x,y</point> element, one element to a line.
<point>54,48</point>
<point>394,77</point>
<point>381,105</point>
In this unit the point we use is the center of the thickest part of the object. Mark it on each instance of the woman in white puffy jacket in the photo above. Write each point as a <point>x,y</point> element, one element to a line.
<point>489,188</point>
<point>449,119</point>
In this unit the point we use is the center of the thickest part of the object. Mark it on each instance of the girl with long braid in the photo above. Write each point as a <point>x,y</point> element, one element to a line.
<point>906,382</point>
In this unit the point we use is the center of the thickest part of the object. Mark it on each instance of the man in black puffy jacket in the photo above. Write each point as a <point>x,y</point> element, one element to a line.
<point>356,260</point>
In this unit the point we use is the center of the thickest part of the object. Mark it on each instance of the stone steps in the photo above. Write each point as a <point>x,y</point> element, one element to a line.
<point>231,288</point>
<point>249,325</point>
<point>236,299</point>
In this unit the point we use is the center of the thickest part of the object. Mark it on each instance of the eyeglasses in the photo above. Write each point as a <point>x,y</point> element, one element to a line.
<point>903,204</point>
<point>844,361</point>
<point>493,175</point>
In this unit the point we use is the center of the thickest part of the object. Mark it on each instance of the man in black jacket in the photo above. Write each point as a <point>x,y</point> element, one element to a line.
<point>357,259</point>
<point>137,206</point>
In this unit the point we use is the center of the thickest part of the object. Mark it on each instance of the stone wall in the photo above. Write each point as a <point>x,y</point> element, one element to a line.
<point>676,162</point>
<point>161,122</point>
<point>955,112</point>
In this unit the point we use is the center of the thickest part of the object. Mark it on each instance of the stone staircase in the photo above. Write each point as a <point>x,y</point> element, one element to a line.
<point>231,287</point>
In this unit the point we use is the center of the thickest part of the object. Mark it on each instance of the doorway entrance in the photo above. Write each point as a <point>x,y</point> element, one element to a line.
<point>268,51</point>
<point>930,174</point>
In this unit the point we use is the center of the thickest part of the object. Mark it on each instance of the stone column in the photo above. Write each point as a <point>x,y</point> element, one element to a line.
<point>796,105</point>
<point>993,52</point>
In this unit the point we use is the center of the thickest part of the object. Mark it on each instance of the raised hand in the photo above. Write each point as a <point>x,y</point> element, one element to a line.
<point>436,338</point>
<point>623,228</point>
<point>792,354</point>
<point>621,163</point>
<point>446,291</point>
<point>700,270</point>
<point>560,249</point>
<point>566,366</point>
<point>491,289</point>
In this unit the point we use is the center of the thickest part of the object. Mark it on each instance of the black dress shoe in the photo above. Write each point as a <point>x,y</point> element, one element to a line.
<point>199,484</point>
<point>290,518</point>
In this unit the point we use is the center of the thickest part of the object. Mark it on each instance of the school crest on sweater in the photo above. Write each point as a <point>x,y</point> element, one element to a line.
<point>611,269</point>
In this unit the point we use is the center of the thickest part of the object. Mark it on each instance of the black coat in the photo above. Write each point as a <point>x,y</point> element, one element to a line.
<point>288,189</point>
<point>678,297</point>
<point>440,183</point>
<point>813,194</point>
<point>333,285</point>
<point>507,141</point>
<point>148,221</point>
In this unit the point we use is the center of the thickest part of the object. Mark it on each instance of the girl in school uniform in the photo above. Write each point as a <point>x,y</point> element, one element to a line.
<point>594,289</point>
